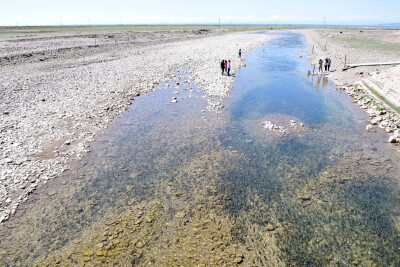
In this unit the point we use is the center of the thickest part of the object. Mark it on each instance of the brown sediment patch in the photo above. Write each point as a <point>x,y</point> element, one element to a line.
<point>138,238</point>
<point>185,226</point>
<point>49,151</point>
<point>262,236</point>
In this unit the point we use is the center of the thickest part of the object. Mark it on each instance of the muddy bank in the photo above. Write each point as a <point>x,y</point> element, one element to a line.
<point>376,89</point>
<point>51,109</point>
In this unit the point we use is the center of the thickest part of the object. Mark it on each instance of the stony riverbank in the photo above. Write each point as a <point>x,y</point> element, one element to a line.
<point>376,89</point>
<point>53,106</point>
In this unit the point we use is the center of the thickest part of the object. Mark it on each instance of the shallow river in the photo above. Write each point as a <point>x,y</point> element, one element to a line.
<point>175,184</point>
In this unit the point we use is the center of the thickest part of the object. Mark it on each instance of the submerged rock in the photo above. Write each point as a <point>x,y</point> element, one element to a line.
<point>304,197</point>
<point>270,227</point>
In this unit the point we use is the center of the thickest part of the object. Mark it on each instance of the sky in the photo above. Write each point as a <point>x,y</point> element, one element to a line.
<point>84,12</point>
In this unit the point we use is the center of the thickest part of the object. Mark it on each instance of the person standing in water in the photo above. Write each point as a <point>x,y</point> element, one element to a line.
<point>223,66</point>
<point>229,67</point>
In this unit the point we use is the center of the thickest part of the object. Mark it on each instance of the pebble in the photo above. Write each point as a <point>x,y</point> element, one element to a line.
<point>55,97</point>
<point>238,260</point>
<point>270,227</point>
<point>272,127</point>
<point>140,244</point>
<point>51,192</point>
<point>385,119</point>
<point>304,197</point>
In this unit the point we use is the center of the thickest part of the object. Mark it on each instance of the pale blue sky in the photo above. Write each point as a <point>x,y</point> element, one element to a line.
<point>55,12</point>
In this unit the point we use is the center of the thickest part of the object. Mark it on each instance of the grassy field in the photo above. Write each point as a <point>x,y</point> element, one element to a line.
<point>34,30</point>
<point>26,30</point>
<point>373,43</point>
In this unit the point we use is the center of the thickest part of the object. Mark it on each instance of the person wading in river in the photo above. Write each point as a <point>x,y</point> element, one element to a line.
<point>223,66</point>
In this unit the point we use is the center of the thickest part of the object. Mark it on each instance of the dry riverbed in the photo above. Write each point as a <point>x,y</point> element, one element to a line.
<point>376,89</point>
<point>59,90</point>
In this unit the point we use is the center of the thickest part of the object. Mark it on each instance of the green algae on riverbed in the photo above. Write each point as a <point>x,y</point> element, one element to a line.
<point>171,185</point>
<point>188,229</point>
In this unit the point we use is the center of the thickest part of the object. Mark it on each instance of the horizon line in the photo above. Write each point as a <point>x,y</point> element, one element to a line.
<point>394,24</point>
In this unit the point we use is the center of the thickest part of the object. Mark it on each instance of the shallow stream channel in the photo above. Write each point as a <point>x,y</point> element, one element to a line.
<point>176,184</point>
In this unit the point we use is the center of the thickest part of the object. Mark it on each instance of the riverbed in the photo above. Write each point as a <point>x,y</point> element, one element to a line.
<point>179,183</point>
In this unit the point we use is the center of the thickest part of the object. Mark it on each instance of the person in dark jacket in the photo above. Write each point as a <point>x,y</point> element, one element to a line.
<point>326,64</point>
<point>226,66</point>
<point>320,62</point>
<point>223,66</point>
<point>329,64</point>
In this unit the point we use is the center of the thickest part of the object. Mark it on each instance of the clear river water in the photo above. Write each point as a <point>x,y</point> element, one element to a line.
<point>175,184</point>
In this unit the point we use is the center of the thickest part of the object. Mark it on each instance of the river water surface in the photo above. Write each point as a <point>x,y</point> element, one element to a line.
<point>173,184</point>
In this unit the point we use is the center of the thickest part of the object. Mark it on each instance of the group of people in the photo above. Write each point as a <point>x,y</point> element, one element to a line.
<point>326,64</point>
<point>226,67</point>
<point>226,64</point>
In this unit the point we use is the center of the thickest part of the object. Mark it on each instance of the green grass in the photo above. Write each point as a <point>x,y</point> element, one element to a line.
<point>90,29</point>
<point>369,43</point>
<point>26,30</point>
<point>121,28</point>
<point>381,97</point>
<point>117,28</point>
